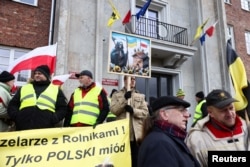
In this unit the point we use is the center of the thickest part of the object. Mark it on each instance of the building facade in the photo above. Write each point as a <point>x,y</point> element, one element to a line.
<point>237,14</point>
<point>24,25</point>
<point>80,29</point>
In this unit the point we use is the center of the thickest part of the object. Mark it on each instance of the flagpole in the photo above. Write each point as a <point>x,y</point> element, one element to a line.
<point>246,117</point>
<point>191,44</point>
<point>127,28</point>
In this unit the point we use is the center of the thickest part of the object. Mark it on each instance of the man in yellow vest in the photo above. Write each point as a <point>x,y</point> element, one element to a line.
<point>38,104</point>
<point>201,107</point>
<point>88,105</point>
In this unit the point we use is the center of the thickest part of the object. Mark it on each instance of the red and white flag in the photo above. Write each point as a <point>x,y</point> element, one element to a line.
<point>45,55</point>
<point>60,79</point>
<point>144,44</point>
<point>127,18</point>
<point>210,30</point>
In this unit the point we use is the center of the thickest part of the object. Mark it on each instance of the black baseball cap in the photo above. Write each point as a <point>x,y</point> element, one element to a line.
<point>219,98</point>
<point>85,72</point>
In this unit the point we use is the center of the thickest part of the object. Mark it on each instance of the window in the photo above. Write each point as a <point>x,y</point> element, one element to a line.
<point>28,2</point>
<point>7,56</point>
<point>146,25</point>
<point>158,85</point>
<point>245,4</point>
<point>230,34</point>
<point>247,38</point>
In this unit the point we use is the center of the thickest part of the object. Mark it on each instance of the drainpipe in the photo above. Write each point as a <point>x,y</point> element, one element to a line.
<point>51,25</point>
<point>98,43</point>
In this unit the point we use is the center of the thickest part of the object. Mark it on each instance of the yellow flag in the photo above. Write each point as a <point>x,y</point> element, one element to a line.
<point>114,16</point>
<point>239,77</point>
<point>199,29</point>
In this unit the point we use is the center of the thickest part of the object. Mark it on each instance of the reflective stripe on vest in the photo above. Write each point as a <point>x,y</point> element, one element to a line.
<point>46,100</point>
<point>111,115</point>
<point>86,110</point>
<point>198,113</point>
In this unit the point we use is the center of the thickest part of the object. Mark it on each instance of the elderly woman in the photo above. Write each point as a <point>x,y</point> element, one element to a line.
<point>164,131</point>
<point>6,83</point>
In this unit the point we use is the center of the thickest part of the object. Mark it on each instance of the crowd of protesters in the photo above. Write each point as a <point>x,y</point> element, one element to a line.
<point>158,130</point>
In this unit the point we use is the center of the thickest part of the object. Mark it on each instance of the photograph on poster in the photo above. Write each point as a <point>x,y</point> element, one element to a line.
<point>129,55</point>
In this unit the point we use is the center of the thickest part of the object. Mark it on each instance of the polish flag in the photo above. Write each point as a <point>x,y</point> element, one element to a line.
<point>60,79</point>
<point>127,18</point>
<point>45,55</point>
<point>144,44</point>
<point>210,30</point>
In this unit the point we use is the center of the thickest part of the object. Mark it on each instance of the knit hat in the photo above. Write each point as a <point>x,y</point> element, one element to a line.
<point>168,101</point>
<point>219,98</point>
<point>43,69</point>
<point>5,76</point>
<point>200,95</point>
<point>180,92</point>
<point>85,72</point>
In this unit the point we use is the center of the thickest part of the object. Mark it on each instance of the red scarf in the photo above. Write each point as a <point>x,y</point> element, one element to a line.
<point>220,131</point>
<point>171,129</point>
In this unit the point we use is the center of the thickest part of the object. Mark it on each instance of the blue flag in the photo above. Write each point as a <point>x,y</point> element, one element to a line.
<point>143,10</point>
<point>203,38</point>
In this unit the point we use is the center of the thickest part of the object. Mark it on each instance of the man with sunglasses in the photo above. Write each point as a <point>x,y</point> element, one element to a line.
<point>164,133</point>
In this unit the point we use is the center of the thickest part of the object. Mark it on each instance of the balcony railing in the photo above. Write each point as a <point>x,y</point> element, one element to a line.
<point>160,30</point>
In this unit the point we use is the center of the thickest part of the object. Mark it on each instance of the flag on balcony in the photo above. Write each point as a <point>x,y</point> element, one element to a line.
<point>114,16</point>
<point>45,55</point>
<point>199,30</point>
<point>127,18</point>
<point>239,79</point>
<point>60,79</point>
<point>143,10</point>
<point>203,38</point>
<point>210,30</point>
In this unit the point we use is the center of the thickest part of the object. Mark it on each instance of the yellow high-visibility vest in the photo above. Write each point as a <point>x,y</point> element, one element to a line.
<point>46,100</point>
<point>110,114</point>
<point>86,110</point>
<point>198,113</point>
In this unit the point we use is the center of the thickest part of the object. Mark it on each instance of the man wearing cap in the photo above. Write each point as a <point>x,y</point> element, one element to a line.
<point>6,83</point>
<point>38,104</point>
<point>164,133</point>
<point>88,105</point>
<point>220,130</point>
<point>201,107</point>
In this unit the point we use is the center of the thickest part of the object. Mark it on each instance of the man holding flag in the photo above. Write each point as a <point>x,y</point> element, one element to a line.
<point>38,104</point>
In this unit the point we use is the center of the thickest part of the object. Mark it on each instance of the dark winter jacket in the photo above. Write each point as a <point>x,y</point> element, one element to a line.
<point>161,149</point>
<point>33,117</point>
